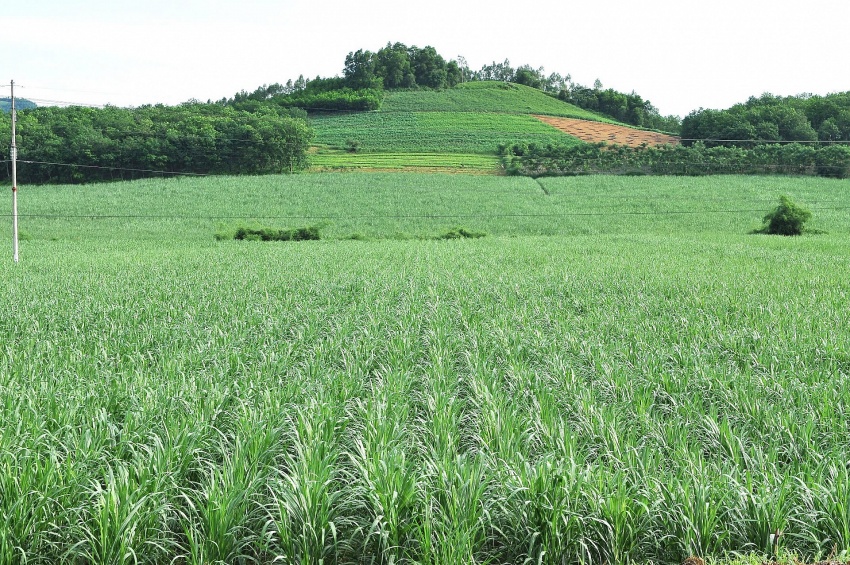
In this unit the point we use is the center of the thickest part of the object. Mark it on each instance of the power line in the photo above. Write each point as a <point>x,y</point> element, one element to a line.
<point>46,102</point>
<point>115,168</point>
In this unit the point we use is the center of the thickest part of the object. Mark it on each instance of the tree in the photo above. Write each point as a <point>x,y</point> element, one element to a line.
<point>529,77</point>
<point>429,67</point>
<point>496,71</point>
<point>392,65</point>
<point>359,69</point>
<point>463,65</point>
<point>454,75</point>
<point>829,130</point>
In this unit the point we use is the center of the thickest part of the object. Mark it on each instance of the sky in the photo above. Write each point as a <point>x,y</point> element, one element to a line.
<point>681,55</point>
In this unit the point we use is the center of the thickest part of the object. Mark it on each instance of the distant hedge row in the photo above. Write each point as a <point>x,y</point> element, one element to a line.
<point>698,159</point>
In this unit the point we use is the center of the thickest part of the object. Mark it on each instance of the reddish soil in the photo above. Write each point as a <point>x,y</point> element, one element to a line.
<point>595,132</point>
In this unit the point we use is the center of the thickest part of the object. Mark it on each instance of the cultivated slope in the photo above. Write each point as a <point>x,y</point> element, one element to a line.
<point>420,129</point>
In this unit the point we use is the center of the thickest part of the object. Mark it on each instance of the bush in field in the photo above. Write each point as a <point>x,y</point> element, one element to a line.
<point>788,218</point>
<point>271,234</point>
<point>461,233</point>
<point>353,145</point>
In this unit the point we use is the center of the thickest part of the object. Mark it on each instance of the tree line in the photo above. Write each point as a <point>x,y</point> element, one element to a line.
<point>118,143</point>
<point>769,118</point>
<point>697,159</point>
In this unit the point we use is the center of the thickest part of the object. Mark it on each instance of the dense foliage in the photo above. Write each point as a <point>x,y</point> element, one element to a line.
<point>788,218</point>
<point>400,66</point>
<point>117,143</point>
<point>772,118</point>
<point>697,159</point>
<point>309,233</point>
<point>318,95</point>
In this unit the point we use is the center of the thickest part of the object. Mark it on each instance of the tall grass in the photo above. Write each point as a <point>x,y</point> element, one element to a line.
<point>404,205</point>
<point>623,395</point>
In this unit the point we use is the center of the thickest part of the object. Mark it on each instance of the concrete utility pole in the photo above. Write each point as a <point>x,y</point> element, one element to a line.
<point>13,154</point>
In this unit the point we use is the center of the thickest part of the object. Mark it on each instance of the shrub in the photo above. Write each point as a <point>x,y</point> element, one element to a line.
<point>461,233</point>
<point>788,218</point>
<point>353,145</point>
<point>271,234</point>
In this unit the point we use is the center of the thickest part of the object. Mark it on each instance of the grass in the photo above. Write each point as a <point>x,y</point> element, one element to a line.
<point>398,205</point>
<point>484,97</point>
<point>614,387</point>
<point>324,159</point>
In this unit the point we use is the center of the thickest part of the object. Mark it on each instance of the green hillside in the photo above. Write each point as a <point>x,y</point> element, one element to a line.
<point>444,132</point>
<point>484,96</point>
<point>468,121</point>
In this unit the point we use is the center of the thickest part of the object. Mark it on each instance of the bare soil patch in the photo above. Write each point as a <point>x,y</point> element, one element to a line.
<point>595,132</point>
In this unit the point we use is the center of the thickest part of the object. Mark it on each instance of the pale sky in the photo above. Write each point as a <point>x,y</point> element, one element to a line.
<point>679,54</point>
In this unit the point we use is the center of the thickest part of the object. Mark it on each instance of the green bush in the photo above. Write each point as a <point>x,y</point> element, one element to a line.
<point>271,234</point>
<point>353,145</point>
<point>461,233</point>
<point>788,218</point>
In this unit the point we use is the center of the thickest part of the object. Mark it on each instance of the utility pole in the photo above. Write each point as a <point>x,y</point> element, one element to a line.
<point>13,153</point>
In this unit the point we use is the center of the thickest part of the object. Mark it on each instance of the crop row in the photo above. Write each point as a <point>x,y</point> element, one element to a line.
<point>484,96</point>
<point>434,132</point>
<point>344,160</point>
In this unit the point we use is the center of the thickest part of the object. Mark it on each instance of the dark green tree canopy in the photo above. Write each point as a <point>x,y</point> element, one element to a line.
<point>770,118</point>
<point>118,143</point>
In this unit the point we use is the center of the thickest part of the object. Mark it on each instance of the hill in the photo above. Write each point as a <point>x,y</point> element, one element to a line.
<point>20,104</point>
<point>469,121</point>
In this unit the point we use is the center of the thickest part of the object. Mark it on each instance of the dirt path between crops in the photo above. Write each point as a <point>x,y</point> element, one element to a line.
<point>595,132</point>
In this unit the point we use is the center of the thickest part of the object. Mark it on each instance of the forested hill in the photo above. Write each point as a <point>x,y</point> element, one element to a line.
<point>20,104</point>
